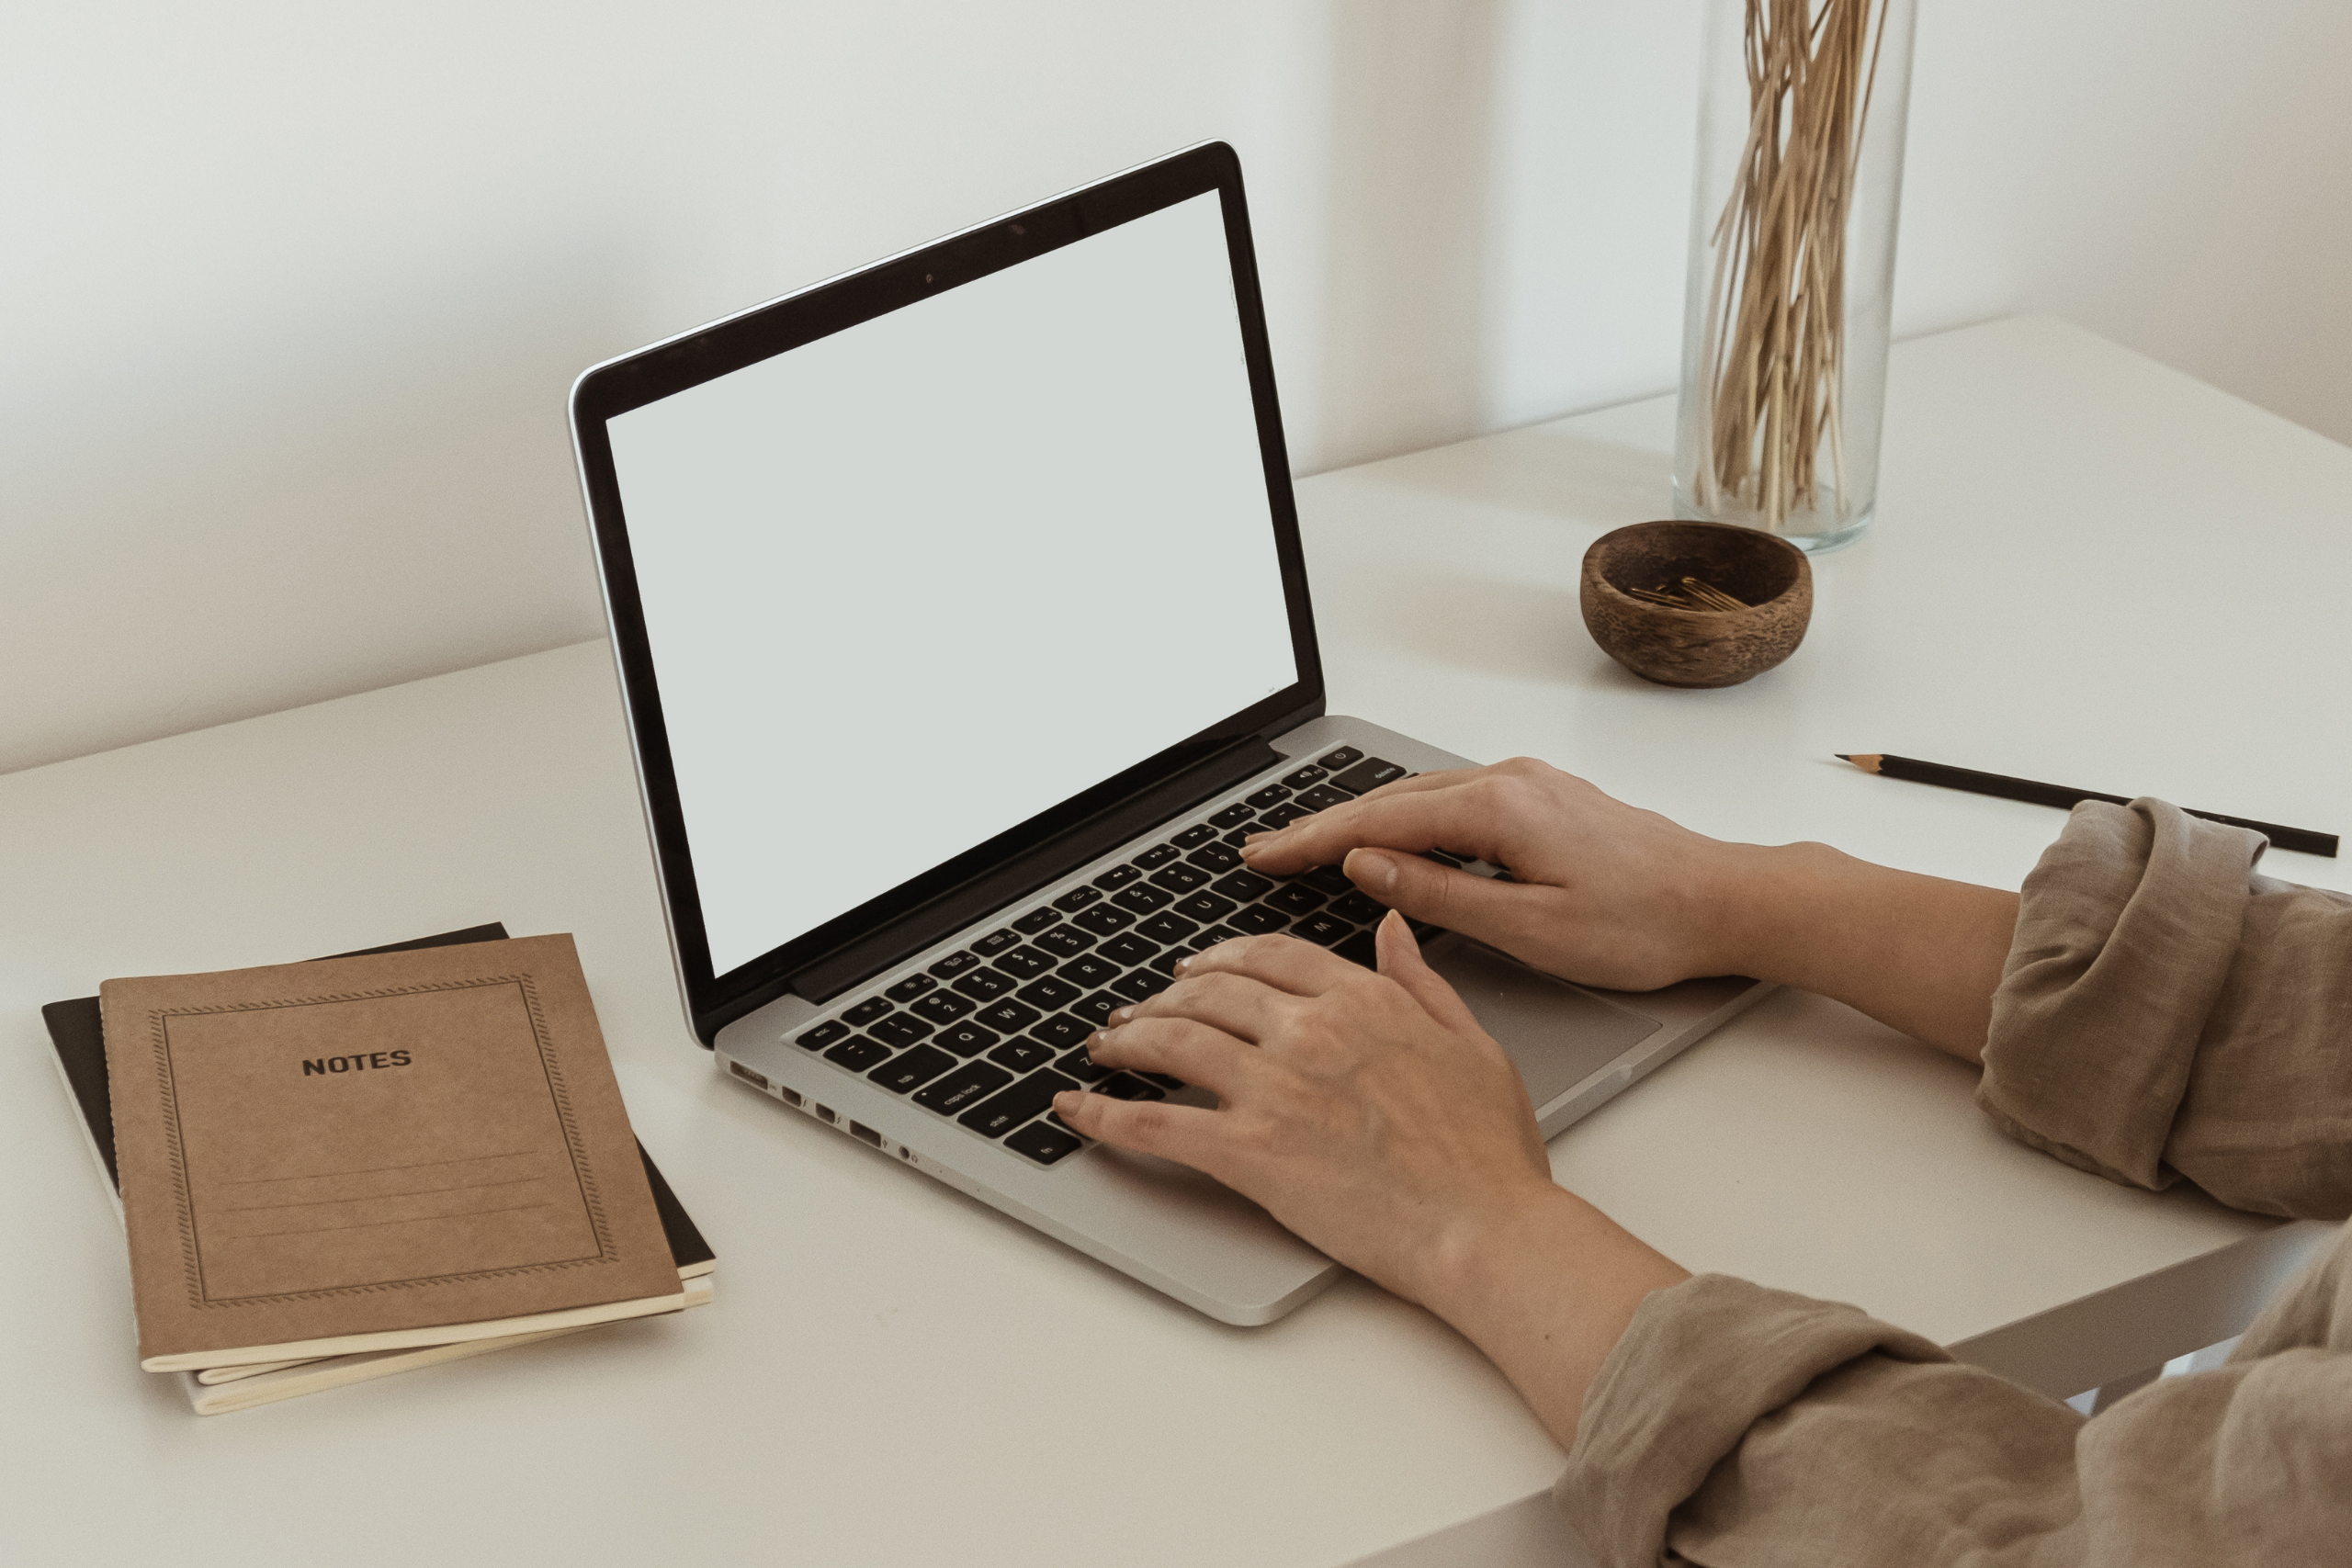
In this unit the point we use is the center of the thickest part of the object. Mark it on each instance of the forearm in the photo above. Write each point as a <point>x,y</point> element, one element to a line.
<point>1544,1289</point>
<point>1918,953</point>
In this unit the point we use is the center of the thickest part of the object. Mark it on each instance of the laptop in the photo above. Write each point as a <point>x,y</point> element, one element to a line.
<point>963,627</point>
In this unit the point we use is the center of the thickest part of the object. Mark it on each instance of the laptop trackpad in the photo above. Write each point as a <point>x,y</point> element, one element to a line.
<point>1554,1034</point>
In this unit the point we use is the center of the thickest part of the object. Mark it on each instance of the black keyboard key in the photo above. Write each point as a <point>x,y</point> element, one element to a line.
<point>824,1035</point>
<point>942,1006</point>
<point>1077,899</point>
<point>1233,816</point>
<point>1125,1086</point>
<point>1359,949</point>
<point>1242,885</point>
<point>1451,862</point>
<point>1082,1067</point>
<point>1061,1031</point>
<point>1162,1080</point>
<point>1215,859</point>
<point>1309,774</point>
<point>1296,899</point>
<point>1179,878</point>
<point>857,1052</point>
<point>1205,907</point>
<point>984,985</point>
<point>1370,773</point>
<point>866,1011</point>
<point>1359,907</point>
<point>1138,985</point>
<point>1326,927</point>
<point>1272,795</point>
<point>1198,833</point>
<point>965,1039</point>
<point>955,963</point>
<point>1117,877</point>
<point>993,943</point>
<point>1211,937</point>
<point>1166,963</point>
<point>913,1070</point>
<point>1103,918</point>
<point>1327,879</point>
<point>1128,948</point>
<point>1345,757</point>
<point>1002,1112</point>
<point>1168,928</point>
<point>899,1029</point>
<point>1242,834</point>
<point>1036,919</point>
<point>1322,798</point>
<point>910,987</point>
<point>1282,815</point>
<point>1097,1008</point>
<point>1064,941</point>
<point>961,1088</point>
<point>1042,1144</point>
<point>1048,992</point>
<point>1088,970</point>
<point>1006,1017</point>
<point>1257,921</point>
<point>1026,963</point>
<point>1145,899</point>
<point>1158,854</point>
<point>1021,1055</point>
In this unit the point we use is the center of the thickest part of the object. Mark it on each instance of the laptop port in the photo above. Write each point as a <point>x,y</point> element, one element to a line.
<point>791,1096</point>
<point>740,1071</point>
<point>824,1113</point>
<point>860,1130</point>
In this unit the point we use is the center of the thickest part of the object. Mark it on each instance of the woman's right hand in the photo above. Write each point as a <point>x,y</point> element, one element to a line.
<point>1600,892</point>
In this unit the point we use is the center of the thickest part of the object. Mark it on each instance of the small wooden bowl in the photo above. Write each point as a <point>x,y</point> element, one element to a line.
<point>1696,647</point>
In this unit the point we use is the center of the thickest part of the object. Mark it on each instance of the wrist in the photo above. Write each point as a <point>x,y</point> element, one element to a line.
<point>1767,902</point>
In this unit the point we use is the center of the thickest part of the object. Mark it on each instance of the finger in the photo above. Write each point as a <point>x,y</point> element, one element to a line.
<point>1500,913</point>
<point>1455,819</point>
<point>1185,1134</point>
<point>1247,1008</point>
<point>1182,1048</point>
<point>1286,963</point>
<point>1401,961</point>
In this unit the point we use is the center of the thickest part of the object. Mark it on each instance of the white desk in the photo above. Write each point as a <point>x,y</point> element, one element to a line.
<point>2090,569</point>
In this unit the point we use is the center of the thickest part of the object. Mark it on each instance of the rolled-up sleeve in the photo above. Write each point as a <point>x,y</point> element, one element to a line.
<point>2165,1013</point>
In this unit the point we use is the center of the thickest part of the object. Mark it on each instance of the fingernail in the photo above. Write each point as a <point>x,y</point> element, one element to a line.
<point>1369,870</point>
<point>1067,1102</point>
<point>1182,964</point>
<point>1120,1015</point>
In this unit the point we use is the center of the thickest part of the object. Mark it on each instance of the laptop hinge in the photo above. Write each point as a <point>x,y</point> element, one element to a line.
<point>1105,830</point>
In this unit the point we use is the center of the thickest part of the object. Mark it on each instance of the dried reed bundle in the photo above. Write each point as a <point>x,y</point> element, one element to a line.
<point>1771,382</point>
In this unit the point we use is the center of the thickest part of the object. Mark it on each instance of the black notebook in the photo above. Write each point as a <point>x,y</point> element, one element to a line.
<point>76,1032</point>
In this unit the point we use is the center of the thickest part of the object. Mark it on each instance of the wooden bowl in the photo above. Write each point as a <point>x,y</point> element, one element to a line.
<point>1696,647</point>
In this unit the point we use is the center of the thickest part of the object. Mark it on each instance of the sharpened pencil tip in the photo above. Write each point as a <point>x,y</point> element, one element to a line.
<point>1843,756</point>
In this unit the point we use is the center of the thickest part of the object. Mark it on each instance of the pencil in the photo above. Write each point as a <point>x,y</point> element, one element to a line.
<point>2059,796</point>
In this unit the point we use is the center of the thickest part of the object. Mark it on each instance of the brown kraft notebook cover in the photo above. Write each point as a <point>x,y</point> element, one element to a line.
<point>367,1153</point>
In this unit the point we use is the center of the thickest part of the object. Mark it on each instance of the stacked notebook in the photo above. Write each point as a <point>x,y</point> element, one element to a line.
<point>336,1170</point>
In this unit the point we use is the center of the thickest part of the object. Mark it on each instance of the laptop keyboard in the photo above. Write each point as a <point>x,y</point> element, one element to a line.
<point>989,1033</point>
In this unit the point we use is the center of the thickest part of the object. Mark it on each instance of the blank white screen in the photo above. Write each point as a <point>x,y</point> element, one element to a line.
<point>913,583</point>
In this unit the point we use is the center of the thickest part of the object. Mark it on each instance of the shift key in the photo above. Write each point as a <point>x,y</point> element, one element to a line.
<point>959,1088</point>
<point>1001,1113</point>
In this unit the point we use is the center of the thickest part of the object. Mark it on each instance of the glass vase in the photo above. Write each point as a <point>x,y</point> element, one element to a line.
<point>1793,220</point>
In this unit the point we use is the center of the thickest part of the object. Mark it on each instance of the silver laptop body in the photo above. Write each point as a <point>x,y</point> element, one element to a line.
<point>959,611</point>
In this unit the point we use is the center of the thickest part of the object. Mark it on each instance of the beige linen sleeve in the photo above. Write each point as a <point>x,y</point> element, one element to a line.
<point>2165,1012</point>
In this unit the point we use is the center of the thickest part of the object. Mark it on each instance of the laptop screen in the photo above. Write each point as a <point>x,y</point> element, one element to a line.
<point>985,551</point>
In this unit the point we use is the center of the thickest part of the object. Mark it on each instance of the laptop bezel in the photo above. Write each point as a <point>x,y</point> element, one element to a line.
<point>835,305</point>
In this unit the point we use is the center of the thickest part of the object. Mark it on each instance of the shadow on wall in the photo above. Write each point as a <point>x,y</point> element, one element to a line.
<point>1412,131</point>
<point>376,493</point>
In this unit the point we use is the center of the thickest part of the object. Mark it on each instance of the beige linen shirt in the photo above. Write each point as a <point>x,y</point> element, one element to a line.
<point>2166,1013</point>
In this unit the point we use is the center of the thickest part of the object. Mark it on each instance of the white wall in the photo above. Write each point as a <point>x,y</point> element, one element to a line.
<point>293,292</point>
